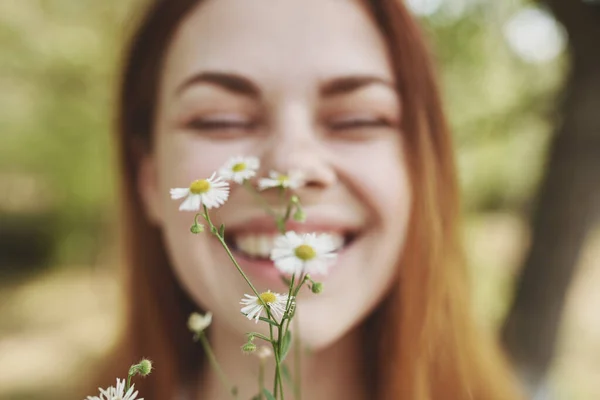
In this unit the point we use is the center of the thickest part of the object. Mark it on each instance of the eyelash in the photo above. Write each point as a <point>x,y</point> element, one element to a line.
<point>358,123</point>
<point>209,125</point>
<point>217,124</point>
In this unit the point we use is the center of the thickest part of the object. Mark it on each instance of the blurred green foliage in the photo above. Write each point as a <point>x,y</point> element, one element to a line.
<point>500,107</point>
<point>57,78</point>
<point>58,72</point>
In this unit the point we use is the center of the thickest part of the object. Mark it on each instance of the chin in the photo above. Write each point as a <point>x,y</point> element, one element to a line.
<point>320,330</point>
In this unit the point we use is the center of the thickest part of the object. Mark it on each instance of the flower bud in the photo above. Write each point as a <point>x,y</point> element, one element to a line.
<point>197,228</point>
<point>248,348</point>
<point>299,215</point>
<point>198,322</point>
<point>145,367</point>
<point>317,287</point>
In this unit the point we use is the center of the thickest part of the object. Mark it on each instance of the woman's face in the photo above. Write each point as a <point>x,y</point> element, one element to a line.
<point>303,85</point>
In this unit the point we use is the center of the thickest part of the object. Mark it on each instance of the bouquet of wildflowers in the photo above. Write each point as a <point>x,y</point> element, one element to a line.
<point>297,256</point>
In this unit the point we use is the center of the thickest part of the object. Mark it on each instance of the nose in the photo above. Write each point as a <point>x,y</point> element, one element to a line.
<point>295,145</point>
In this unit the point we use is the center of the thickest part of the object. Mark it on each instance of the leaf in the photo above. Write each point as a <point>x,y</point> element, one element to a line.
<point>270,321</point>
<point>286,345</point>
<point>221,230</point>
<point>287,375</point>
<point>268,394</point>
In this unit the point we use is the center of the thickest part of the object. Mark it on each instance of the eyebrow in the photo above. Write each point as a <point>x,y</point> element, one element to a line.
<point>351,83</point>
<point>231,82</point>
<point>239,84</point>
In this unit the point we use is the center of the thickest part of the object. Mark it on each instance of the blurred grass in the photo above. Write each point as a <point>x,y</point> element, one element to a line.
<point>53,329</point>
<point>59,306</point>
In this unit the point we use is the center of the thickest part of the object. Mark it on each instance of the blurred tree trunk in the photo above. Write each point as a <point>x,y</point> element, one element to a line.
<point>568,201</point>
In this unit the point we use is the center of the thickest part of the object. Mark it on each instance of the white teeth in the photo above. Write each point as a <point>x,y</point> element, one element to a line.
<point>255,245</point>
<point>260,245</point>
<point>338,241</point>
<point>244,243</point>
<point>264,244</point>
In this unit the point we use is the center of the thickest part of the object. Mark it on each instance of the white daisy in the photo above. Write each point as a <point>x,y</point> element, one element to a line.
<point>211,192</point>
<point>253,307</point>
<point>238,169</point>
<point>116,393</point>
<point>293,180</point>
<point>303,253</point>
<point>198,322</point>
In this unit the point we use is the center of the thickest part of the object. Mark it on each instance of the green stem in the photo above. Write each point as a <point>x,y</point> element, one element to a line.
<point>297,348</point>
<point>289,299</point>
<point>215,365</point>
<point>278,383</point>
<point>288,211</point>
<point>277,345</point>
<point>260,199</point>
<point>302,282</point>
<point>273,343</point>
<point>275,379</point>
<point>237,266</point>
<point>297,364</point>
<point>286,216</point>
<point>297,289</point>
<point>266,307</point>
<point>261,336</point>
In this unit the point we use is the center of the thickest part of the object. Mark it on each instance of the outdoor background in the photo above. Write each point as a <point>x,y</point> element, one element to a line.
<point>523,98</point>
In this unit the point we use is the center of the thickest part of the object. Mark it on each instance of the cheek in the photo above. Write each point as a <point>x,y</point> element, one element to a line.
<point>182,160</point>
<point>380,173</point>
<point>184,157</point>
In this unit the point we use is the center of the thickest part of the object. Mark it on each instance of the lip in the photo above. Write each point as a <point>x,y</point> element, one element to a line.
<point>265,272</point>
<point>264,269</point>
<point>267,225</point>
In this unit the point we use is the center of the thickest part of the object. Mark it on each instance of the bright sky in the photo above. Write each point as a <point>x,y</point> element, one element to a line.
<point>534,35</point>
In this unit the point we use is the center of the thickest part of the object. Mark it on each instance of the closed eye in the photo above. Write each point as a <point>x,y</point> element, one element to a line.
<point>217,124</point>
<point>360,122</point>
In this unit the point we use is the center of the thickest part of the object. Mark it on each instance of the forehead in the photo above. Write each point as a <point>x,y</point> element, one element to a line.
<point>283,42</point>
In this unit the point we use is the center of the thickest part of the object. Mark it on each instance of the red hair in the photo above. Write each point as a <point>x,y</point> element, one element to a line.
<point>427,345</point>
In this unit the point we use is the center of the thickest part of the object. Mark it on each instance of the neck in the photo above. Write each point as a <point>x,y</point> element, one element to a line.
<point>332,373</point>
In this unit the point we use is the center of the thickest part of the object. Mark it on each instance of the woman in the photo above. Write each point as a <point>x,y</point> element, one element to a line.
<point>342,91</point>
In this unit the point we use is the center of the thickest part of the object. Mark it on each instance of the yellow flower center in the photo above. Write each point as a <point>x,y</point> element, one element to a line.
<point>305,252</point>
<point>200,186</point>
<point>282,179</point>
<point>239,167</point>
<point>268,297</point>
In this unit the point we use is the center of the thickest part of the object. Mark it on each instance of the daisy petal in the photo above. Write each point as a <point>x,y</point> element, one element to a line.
<point>192,203</point>
<point>303,253</point>
<point>179,193</point>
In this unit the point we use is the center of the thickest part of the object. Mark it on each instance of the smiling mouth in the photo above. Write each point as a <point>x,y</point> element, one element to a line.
<point>258,246</point>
